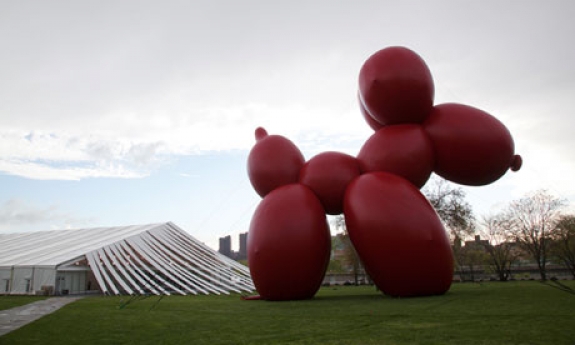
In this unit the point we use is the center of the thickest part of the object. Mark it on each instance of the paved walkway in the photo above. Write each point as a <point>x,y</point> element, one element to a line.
<point>11,319</point>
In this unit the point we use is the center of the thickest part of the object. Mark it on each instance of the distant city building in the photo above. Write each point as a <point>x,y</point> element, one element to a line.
<point>243,254</point>
<point>478,242</point>
<point>226,247</point>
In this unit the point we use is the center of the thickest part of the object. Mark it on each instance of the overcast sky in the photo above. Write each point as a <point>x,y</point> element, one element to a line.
<point>132,112</point>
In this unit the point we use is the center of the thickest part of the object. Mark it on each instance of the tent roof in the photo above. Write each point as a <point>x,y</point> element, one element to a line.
<point>52,248</point>
<point>139,259</point>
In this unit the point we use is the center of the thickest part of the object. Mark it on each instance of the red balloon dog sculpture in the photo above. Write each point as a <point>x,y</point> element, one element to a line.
<point>398,235</point>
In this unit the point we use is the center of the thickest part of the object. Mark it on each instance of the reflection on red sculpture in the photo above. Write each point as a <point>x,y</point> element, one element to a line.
<point>370,121</point>
<point>394,229</point>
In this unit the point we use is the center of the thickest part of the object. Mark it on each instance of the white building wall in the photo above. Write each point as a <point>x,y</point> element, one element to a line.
<point>22,280</point>
<point>44,277</point>
<point>70,282</point>
<point>5,274</point>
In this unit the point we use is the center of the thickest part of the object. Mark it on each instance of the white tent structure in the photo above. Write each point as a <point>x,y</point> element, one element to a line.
<point>158,259</point>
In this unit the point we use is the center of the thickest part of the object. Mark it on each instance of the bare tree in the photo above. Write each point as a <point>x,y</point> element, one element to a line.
<point>472,257</point>
<point>455,213</point>
<point>502,249</point>
<point>533,219</point>
<point>450,204</point>
<point>563,244</point>
<point>351,258</point>
<point>336,264</point>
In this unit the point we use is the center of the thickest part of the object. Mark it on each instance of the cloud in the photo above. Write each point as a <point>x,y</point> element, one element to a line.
<point>143,154</point>
<point>48,171</point>
<point>133,147</point>
<point>15,213</point>
<point>118,93</point>
<point>56,155</point>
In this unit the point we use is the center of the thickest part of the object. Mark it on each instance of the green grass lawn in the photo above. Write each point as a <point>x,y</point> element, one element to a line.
<point>8,301</point>
<point>526,312</point>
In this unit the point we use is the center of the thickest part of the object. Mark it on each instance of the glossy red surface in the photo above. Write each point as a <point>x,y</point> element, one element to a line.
<point>274,161</point>
<point>289,244</point>
<point>398,236</point>
<point>471,147</point>
<point>395,86</point>
<point>394,229</point>
<point>404,150</point>
<point>370,120</point>
<point>327,175</point>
